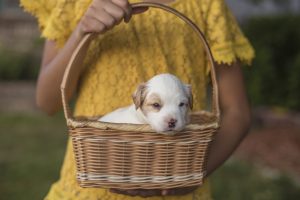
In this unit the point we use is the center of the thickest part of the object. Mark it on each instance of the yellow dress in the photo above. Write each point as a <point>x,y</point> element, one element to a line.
<point>153,42</point>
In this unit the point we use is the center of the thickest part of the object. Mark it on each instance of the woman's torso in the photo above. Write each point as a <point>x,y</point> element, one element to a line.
<point>152,43</point>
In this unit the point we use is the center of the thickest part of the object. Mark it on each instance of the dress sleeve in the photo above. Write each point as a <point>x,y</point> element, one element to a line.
<point>56,18</point>
<point>227,42</point>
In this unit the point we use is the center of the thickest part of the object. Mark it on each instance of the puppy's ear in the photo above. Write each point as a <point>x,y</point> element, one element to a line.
<point>139,95</point>
<point>188,89</point>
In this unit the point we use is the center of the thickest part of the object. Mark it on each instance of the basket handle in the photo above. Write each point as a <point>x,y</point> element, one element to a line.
<point>75,58</point>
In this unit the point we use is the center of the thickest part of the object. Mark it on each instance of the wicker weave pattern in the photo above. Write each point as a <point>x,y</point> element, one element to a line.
<point>110,158</point>
<point>128,156</point>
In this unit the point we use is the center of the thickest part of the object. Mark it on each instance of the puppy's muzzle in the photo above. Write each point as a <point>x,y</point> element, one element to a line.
<point>172,123</point>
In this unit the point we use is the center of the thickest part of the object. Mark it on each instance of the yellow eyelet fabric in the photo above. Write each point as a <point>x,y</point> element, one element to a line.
<point>151,43</point>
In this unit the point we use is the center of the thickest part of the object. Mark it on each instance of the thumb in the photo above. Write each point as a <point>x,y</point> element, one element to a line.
<point>134,11</point>
<point>139,10</point>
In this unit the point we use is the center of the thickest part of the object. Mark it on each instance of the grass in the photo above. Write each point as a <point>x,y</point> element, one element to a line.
<point>241,180</point>
<point>32,147</point>
<point>31,153</point>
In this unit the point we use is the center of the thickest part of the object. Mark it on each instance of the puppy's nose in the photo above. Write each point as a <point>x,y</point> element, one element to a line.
<point>172,123</point>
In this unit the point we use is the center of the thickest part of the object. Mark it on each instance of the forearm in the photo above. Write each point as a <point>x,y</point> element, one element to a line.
<point>234,126</point>
<point>48,95</point>
<point>235,114</point>
<point>101,15</point>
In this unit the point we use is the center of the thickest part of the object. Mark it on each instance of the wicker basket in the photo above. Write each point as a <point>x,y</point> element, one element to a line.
<point>128,156</point>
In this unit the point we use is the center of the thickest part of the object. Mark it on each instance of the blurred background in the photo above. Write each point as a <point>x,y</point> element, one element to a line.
<point>266,166</point>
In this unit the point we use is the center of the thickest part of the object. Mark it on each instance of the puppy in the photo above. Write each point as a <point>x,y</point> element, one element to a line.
<point>163,103</point>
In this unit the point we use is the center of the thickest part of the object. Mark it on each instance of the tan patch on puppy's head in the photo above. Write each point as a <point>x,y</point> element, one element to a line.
<point>139,95</point>
<point>152,103</point>
<point>190,95</point>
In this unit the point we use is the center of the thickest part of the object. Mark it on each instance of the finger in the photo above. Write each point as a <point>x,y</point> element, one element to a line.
<point>93,25</point>
<point>131,192</point>
<point>129,14</point>
<point>119,12</point>
<point>124,4</point>
<point>137,192</point>
<point>113,190</point>
<point>150,192</point>
<point>118,191</point>
<point>189,189</point>
<point>164,192</point>
<point>143,192</point>
<point>181,191</point>
<point>106,18</point>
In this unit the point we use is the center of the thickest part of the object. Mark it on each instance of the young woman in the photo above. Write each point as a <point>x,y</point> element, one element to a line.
<point>152,42</point>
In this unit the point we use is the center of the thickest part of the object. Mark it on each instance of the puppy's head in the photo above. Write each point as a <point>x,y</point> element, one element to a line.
<point>165,102</point>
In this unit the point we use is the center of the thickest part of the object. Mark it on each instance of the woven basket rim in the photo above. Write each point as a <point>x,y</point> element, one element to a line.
<point>80,123</point>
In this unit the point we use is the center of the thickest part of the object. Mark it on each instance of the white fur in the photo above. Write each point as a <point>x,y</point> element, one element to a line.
<point>171,92</point>
<point>125,115</point>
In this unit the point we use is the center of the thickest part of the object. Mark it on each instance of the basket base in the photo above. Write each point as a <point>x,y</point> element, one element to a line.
<point>108,185</point>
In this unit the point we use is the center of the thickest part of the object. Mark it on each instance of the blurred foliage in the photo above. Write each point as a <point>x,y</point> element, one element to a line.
<point>20,65</point>
<point>274,78</point>
<point>280,2</point>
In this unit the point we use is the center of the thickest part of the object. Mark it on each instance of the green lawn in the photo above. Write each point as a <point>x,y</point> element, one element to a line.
<point>32,148</point>
<point>239,180</point>
<point>31,152</point>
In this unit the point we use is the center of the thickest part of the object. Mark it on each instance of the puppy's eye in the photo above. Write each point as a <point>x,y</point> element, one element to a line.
<point>156,105</point>
<point>181,104</point>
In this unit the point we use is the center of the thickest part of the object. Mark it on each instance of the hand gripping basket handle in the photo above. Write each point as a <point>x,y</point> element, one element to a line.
<point>75,58</point>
